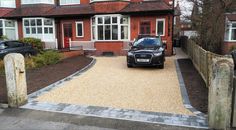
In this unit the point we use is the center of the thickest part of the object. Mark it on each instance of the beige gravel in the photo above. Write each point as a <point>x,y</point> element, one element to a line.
<point>111,84</point>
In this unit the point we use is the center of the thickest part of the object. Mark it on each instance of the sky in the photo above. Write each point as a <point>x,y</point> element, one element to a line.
<point>186,7</point>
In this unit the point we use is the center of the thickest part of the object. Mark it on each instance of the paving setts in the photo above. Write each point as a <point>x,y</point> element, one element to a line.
<point>109,83</point>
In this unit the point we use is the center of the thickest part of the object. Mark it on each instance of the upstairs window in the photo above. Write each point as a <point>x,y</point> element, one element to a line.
<point>8,3</point>
<point>69,2</point>
<point>37,1</point>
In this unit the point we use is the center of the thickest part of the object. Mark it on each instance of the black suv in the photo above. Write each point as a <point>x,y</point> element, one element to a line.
<point>147,51</point>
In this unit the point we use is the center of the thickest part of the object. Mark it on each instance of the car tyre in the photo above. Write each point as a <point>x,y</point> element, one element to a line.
<point>129,66</point>
<point>28,55</point>
<point>161,66</point>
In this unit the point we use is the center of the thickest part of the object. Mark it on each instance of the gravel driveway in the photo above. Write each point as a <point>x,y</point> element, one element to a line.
<point>110,83</point>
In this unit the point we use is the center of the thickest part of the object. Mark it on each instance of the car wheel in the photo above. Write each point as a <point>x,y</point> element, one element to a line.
<point>129,66</point>
<point>28,55</point>
<point>161,66</point>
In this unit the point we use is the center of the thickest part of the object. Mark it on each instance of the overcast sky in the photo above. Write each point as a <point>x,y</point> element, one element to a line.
<point>186,7</point>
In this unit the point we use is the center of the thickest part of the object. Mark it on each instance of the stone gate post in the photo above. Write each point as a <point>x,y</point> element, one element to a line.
<point>220,93</point>
<point>15,79</point>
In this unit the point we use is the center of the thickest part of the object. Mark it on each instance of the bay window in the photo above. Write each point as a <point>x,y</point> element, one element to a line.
<point>160,27</point>
<point>110,28</point>
<point>69,2</point>
<point>230,33</point>
<point>8,28</point>
<point>41,28</point>
<point>37,1</point>
<point>8,3</point>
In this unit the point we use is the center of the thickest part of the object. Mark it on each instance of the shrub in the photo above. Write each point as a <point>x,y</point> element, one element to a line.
<point>3,38</point>
<point>46,58</point>
<point>37,43</point>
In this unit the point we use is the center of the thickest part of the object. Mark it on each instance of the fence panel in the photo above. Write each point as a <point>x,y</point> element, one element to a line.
<point>202,60</point>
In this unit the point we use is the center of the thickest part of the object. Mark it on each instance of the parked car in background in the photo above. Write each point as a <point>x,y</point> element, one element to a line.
<point>146,51</point>
<point>7,47</point>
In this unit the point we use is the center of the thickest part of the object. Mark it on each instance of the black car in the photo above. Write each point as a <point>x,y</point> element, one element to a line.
<point>7,47</point>
<point>147,51</point>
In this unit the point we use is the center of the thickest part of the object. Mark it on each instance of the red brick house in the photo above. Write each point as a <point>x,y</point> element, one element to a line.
<point>97,25</point>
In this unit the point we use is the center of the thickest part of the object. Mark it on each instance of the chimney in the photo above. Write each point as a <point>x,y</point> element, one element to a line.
<point>18,3</point>
<point>169,2</point>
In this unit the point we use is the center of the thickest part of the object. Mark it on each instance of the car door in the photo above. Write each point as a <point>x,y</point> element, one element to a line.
<point>15,47</point>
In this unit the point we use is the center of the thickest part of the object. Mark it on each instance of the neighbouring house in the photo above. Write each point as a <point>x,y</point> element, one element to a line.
<point>230,30</point>
<point>96,25</point>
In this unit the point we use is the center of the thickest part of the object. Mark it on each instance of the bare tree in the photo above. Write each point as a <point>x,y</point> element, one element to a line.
<point>208,18</point>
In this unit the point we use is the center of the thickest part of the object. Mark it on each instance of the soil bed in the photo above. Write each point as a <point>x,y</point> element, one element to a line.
<point>195,85</point>
<point>42,77</point>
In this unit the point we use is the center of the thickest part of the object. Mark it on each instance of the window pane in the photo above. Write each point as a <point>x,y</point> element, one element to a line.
<point>1,32</point>
<point>1,23</point>
<point>51,30</point>
<point>108,32</point>
<point>27,30</point>
<point>40,31</point>
<point>33,30</point>
<point>93,31</point>
<point>79,29</point>
<point>39,22</point>
<point>46,30</point>
<point>26,22</point>
<point>233,25</point>
<point>145,28</point>
<point>160,27</point>
<point>233,36</point>
<point>227,34</point>
<point>100,32</point>
<point>107,20</point>
<point>124,32</point>
<point>32,22</point>
<point>124,20</point>
<point>100,20</point>
<point>47,22</point>
<point>9,23</point>
<point>114,19</point>
<point>93,21</point>
<point>114,32</point>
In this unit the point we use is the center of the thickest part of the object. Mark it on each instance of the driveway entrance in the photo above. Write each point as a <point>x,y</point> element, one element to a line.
<point>109,83</point>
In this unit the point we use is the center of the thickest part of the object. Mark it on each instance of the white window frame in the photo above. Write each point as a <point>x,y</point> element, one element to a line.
<point>10,4</point>
<point>229,39</point>
<point>4,28</point>
<point>43,35</point>
<point>164,26</point>
<point>69,3</point>
<point>24,2</point>
<point>82,23</point>
<point>118,23</point>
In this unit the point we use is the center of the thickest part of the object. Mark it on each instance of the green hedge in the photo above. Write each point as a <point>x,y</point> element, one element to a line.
<point>37,43</point>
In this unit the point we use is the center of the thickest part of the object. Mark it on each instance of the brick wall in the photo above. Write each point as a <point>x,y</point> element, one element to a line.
<point>227,47</point>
